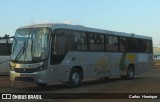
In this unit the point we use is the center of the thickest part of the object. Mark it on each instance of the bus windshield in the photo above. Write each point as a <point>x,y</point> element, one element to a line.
<point>30,45</point>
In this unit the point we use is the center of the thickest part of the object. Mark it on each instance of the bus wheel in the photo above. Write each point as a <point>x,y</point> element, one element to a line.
<point>130,72</point>
<point>75,78</point>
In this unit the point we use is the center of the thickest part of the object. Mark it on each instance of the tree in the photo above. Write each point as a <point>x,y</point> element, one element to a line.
<point>6,36</point>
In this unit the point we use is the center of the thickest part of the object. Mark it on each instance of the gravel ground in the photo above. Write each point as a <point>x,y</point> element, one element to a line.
<point>147,82</point>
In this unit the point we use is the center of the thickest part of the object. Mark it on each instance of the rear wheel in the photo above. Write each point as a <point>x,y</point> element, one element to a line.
<point>130,72</point>
<point>75,78</point>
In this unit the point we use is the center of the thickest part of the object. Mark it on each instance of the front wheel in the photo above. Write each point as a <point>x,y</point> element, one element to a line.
<point>75,78</point>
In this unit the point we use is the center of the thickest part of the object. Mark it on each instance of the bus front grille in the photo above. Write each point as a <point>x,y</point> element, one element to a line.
<point>25,70</point>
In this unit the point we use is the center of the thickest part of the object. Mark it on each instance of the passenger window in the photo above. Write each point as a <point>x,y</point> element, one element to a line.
<point>124,44</point>
<point>147,46</point>
<point>96,42</point>
<point>134,45</point>
<point>115,43</point>
<point>100,42</point>
<point>78,41</point>
<point>111,43</point>
<point>5,48</point>
<point>59,46</point>
<point>91,42</point>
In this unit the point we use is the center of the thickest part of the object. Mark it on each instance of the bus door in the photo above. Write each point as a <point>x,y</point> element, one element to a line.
<point>59,48</point>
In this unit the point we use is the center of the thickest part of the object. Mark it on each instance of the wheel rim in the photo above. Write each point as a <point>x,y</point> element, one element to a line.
<point>130,72</point>
<point>75,78</point>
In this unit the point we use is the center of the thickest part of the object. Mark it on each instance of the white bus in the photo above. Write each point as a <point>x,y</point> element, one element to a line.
<point>5,49</point>
<point>49,53</point>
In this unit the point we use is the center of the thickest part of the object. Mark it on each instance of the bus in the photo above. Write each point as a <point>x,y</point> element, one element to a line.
<point>5,49</point>
<point>49,53</point>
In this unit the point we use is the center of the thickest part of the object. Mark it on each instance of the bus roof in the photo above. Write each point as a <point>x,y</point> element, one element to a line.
<point>87,29</point>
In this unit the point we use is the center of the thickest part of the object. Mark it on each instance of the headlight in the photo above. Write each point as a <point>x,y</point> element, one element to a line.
<point>12,66</point>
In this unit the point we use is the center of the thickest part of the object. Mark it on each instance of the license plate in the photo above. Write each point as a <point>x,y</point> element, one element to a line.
<point>23,75</point>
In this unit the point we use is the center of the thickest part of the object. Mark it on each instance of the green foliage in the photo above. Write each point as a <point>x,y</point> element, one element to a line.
<point>6,36</point>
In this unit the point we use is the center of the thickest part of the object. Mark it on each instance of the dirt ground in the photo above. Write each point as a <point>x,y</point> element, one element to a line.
<point>147,82</point>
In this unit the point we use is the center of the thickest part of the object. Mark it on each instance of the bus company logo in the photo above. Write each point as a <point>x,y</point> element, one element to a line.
<point>6,96</point>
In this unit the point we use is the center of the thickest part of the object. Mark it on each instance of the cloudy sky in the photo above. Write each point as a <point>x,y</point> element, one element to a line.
<point>130,16</point>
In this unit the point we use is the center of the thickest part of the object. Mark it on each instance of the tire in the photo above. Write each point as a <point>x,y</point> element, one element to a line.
<point>75,78</point>
<point>130,72</point>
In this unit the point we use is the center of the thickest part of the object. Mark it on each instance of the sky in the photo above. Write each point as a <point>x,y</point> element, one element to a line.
<point>141,17</point>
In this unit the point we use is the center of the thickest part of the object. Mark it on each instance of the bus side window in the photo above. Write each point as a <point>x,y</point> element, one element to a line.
<point>8,49</point>
<point>115,43</point>
<point>59,46</point>
<point>122,41</point>
<point>134,45</point>
<point>147,45</point>
<point>5,48</point>
<point>100,42</point>
<point>111,43</point>
<point>108,44</point>
<point>92,42</point>
<point>78,41</point>
<point>125,44</point>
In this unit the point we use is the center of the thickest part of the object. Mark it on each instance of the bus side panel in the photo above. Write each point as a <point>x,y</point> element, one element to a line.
<point>98,65</point>
<point>58,73</point>
<point>4,65</point>
<point>141,61</point>
<point>95,64</point>
<point>145,63</point>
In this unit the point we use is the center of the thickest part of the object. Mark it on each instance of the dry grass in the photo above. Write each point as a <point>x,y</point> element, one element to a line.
<point>157,63</point>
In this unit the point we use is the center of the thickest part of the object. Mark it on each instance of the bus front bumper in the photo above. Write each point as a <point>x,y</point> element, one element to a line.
<point>37,77</point>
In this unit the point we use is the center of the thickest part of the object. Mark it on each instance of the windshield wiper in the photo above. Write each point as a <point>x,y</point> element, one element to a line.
<point>20,52</point>
<point>23,49</point>
<point>14,45</point>
<point>26,45</point>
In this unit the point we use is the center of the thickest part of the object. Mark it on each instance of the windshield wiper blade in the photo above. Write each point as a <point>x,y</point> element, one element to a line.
<point>14,45</point>
<point>26,45</point>
<point>20,52</point>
